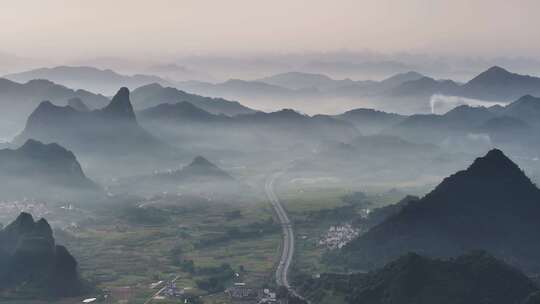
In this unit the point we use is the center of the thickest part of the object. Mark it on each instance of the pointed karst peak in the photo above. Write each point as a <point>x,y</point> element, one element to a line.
<point>527,99</point>
<point>490,174</point>
<point>496,69</point>
<point>120,106</point>
<point>201,161</point>
<point>24,223</point>
<point>494,163</point>
<point>43,228</point>
<point>121,97</point>
<point>495,156</point>
<point>31,144</point>
<point>44,107</point>
<point>24,219</point>
<point>495,168</point>
<point>34,147</point>
<point>492,75</point>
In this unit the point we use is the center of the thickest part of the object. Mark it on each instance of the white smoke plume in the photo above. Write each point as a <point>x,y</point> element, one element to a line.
<point>441,104</point>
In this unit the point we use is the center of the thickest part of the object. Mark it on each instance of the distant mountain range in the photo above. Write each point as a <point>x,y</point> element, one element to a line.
<point>509,126</point>
<point>369,121</point>
<point>407,92</point>
<point>176,72</point>
<point>299,81</point>
<point>42,171</point>
<point>110,135</point>
<point>105,82</point>
<point>491,205</point>
<point>180,112</point>
<point>297,85</point>
<point>32,265</point>
<point>19,99</point>
<point>184,121</point>
<point>154,94</point>
<point>499,84</point>
<point>475,277</point>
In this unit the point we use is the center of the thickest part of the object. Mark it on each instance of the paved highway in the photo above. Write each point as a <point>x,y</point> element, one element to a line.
<point>287,248</point>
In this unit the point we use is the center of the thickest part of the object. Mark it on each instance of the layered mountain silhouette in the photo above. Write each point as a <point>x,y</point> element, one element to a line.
<point>497,83</point>
<point>494,84</point>
<point>526,108</point>
<point>300,80</point>
<point>89,78</point>
<point>177,72</point>
<point>298,85</point>
<point>154,94</point>
<point>32,264</point>
<point>436,128</point>
<point>181,112</point>
<point>424,87</point>
<point>108,139</point>
<point>407,92</point>
<point>42,170</point>
<point>507,126</point>
<point>185,122</point>
<point>199,176</point>
<point>18,100</point>
<point>78,104</point>
<point>369,121</point>
<point>492,205</point>
<point>199,170</point>
<point>112,128</point>
<point>475,277</point>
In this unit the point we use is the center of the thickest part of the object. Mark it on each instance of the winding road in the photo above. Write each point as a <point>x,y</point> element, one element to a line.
<point>287,248</point>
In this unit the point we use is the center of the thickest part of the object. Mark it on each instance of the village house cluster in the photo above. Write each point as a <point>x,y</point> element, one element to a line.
<point>241,292</point>
<point>338,236</point>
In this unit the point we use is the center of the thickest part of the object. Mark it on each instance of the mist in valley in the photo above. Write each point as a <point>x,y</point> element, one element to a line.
<point>227,153</point>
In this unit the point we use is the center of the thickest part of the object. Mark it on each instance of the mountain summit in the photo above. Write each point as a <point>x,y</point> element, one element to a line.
<point>42,170</point>
<point>497,83</point>
<point>32,261</point>
<point>201,169</point>
<point>113,127</point>
<point>120,107</point>
<point>492,205</point>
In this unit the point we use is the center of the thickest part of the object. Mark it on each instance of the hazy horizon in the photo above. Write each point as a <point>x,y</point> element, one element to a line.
<point>62,30</point>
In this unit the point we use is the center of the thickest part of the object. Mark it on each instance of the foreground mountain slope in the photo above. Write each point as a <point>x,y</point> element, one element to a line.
<point>476,277</point>
<point>492,205</point>
<point>33,265</point>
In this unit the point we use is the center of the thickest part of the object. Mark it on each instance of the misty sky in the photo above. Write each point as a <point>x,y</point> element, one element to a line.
<point>82,28</point>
